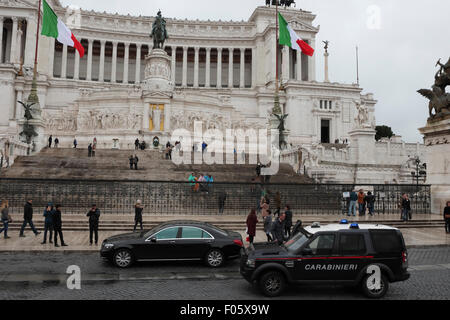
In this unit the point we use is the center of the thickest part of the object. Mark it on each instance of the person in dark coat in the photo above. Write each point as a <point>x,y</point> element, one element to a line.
<point>406,208</point>
<point>56,142</point>
<point>370,202</point>
<point>447,217</point>
<point>131,159</point>
<point>94,217</point>
<point>50,141</point>
<point>28,218</point>
<point>48,223</point>
<point>278,229</point>
<point>90,150</point>
<point>136,144</point>
<point>138,214</point>
<point>252,221</point>
<point>135,162</point>
<point>57,226</point>
<point>222,199</point>
<point>288,221</point>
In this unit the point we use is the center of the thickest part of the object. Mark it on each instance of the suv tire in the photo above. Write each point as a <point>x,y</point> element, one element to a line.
<point>372,293</point>
<point>272,283</point>
<point>123,258</point>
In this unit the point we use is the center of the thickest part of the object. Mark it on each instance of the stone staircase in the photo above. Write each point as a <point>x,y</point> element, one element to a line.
<point>114,165</point>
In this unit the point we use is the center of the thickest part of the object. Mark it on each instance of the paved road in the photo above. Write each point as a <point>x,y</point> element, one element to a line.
<point>42,276</point>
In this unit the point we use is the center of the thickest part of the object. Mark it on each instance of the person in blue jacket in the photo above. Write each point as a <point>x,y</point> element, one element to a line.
<point>48,224</point>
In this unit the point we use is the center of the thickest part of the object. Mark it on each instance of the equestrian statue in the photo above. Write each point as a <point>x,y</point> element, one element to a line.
<point>159,32</point>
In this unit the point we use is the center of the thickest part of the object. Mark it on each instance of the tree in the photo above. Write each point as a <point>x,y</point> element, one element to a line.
<point>383,132</point>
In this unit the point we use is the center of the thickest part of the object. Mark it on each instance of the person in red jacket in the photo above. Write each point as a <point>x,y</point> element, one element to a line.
<point>252,220</point>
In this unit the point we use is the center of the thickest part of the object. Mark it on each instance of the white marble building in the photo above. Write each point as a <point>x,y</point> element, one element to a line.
<point>221,73</point>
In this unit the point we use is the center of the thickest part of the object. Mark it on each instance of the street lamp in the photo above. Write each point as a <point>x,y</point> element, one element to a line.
<point>420,172</point>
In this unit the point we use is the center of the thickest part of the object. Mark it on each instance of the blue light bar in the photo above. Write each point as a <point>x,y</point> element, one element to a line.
<point>344,221</point>
<point>354,226</point>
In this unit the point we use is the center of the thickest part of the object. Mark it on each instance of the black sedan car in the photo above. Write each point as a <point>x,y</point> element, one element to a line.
<point>174,241</point>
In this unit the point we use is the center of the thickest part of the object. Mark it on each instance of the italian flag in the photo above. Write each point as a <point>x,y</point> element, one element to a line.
<point>52,26</point>
<point>289,38</point>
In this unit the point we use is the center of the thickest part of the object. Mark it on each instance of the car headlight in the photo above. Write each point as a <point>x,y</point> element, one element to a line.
<point>108,246</point>
<point>251,263</point>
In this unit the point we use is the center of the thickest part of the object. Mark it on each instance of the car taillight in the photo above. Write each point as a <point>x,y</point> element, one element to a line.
<point>238,242</point>
<point>404,257</point>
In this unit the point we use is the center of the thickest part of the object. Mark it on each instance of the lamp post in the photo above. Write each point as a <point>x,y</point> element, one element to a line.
<point>420,172</point>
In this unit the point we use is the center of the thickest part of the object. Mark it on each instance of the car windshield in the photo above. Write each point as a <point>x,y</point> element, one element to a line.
<point>297,241</point>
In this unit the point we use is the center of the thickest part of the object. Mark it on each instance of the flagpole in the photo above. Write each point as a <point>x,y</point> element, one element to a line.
<point>276,49</point>
<point>357,66</point>
<point>33,97</point>
<point>37,38</point>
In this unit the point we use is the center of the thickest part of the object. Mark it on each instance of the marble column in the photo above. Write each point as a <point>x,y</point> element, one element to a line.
<point>126,61</point>
<point>89,61</point>
<point>242,75</point>
<point>30,43</point>
<point>208,68</point>
<point>312,63</point>
<point>138,63</point>
<point>101,69</point>
<point>14,40</point>
<point>326,55</point>
<point>18,57</point>
<point>1,39</point>
<point>285,64</point>
<point>230,68</point>
<point>76,67</point>
<point>196,67</point>
<point>299,65</point>
<point>64,62</point>
<point>18,115</point>
<point>185,54</point>
<point>254,67</point>
<point>219,67</point>
<point>114,62</point>
<point>174,64</point>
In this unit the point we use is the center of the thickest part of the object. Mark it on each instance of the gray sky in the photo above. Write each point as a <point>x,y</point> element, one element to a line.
<point>397,55</point>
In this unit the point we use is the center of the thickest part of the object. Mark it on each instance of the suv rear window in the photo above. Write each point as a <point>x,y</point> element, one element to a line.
<point>352,244</point>
<point>386,241</point>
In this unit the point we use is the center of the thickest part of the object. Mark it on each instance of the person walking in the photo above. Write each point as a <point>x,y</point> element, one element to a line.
<point>222,199</point>
<point>135,162</point>
<point>264,207</point>
<point>48,223</point>
<point>447,217</point>
<point>50,141</point>
<point>288,221</point>
<point>361,203</point>
<point>75,143</point>
<point>138,215</point>
<point>57,226</point>
<point>352,204</point>
<point>278,229</point>
<point>94,147</point>
<point>131,159</point>
<point>370,202</point>
<point>94,217</point>
<point>136,144</point>
<point>268,226</point>
<point>406,208</point>
<point>252,221</point>
<point>28,219</point>
<point>56,143</point>
<point>6,218</point>
<point>90,150</point>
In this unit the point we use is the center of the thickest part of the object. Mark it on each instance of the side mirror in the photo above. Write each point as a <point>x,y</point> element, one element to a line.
<point>307,252</point>
<point>153,240</point>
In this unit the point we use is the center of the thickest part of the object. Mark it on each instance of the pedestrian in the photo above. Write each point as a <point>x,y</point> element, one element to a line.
<point>277,203</point>
<point>258,169</point>
<point>288,223</point>
<point>28,218</point>
<point>222,199</point>
<point>352,204</point>
<point>57,226</point>
<point>447,217</point>
<point>48,223</point>
<point>361,203</point>
<point>94,147</point>
<point>192,180</point>
<point>370,201</point>
<point>136,144</point>
<point>264,207</point>
<point>94,217</point>
<point>131,159</point>
<point>278,229</point>
<point>6,218</point>
<point>135,162</point>
<point>90,150</point>
<point>56,143</point>
<point>268,226</point>
<point>138,214</point>
<point>75,143</point>
<point>204,146</point>
<point>252,221</point>
<point>50,141</point>
<point>406,208</point>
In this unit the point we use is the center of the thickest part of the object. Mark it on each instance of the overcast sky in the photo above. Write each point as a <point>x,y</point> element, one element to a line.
<point>397,52</point>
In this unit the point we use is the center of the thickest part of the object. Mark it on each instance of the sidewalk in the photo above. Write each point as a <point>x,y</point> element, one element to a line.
<point>78,241</point>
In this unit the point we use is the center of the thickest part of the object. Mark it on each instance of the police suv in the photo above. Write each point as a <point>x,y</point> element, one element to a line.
<point>371,256</point>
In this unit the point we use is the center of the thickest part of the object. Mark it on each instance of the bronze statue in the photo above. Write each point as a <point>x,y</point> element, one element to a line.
<point>326,45</point>
<point>28,129</point>
<point>439,99</point>
<point>285,3</point>
<point>159,32</point>
<point>281,129</point>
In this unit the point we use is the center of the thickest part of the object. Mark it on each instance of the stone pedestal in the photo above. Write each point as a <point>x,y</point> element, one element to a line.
<point>362,145</point>
<point>437,143</point>
<point>40,141</point>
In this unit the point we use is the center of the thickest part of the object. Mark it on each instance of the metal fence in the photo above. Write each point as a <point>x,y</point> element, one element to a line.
<point>172,198</point>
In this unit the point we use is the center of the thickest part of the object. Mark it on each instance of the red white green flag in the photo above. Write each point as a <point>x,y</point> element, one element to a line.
<point>289,38</point>
<point>53,27</point>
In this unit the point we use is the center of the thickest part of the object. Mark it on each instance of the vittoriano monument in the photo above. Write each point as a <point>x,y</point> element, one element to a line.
<point>439,99</point>
<point>159,32</point>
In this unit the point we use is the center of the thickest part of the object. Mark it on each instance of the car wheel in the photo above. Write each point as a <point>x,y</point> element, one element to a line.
<point>369,290</point>
<point>215,258</point>
<point>272,283</point>
<point>123,258</point>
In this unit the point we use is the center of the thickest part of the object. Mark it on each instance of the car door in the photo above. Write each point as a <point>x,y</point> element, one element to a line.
<point>316,264</point>
<point>352,254</point>
<point>165,246</point>
<point>194,243</point>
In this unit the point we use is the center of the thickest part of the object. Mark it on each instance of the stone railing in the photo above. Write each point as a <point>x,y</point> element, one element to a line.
<point>10,149</point>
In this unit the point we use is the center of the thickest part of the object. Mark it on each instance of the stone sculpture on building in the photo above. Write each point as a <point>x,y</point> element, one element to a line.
<point>159,32</point>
